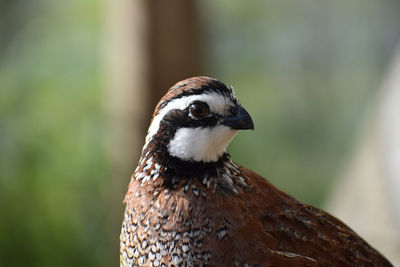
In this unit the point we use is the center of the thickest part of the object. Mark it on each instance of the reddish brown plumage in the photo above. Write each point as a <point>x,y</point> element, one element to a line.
<point>235,218</point>
<point>263,225</point>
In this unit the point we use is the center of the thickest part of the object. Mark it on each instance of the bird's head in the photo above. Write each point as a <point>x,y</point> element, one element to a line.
<point>196,120</point>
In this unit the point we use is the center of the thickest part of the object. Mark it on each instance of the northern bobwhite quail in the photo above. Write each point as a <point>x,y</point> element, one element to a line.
<point>188,204</point>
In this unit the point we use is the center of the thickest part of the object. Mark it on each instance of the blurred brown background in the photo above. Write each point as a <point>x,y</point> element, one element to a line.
<point>79,81</point>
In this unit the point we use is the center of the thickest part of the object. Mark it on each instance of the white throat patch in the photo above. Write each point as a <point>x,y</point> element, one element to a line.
<point>201,144</point>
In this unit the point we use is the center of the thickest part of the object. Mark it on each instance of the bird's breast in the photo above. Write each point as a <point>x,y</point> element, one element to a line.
<point>189,224</point>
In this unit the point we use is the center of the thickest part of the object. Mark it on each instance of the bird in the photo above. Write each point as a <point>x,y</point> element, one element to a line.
<point>189,204</point>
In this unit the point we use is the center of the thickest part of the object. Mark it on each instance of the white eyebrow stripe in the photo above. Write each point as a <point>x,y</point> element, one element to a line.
<point>215,101</point>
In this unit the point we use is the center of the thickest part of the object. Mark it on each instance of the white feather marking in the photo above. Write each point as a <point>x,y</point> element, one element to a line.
<point>240,180</point>
<point>227,178</point>
<point>155,176</point>
<point>140,175</point>
<point>290,254</point>
<point>201,144</point>
<point>149,160</point>
<point>208,183</point>
<point>147,167</point>
<point>186,187</point>
<point>145,179</point>
<point>157,167</point>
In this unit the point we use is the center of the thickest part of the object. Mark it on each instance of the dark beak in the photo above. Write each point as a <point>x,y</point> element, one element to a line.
<point>239,120</point>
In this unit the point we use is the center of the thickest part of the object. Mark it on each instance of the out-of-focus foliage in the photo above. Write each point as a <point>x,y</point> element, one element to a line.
<point>52,163</point>
<point>306,71</point>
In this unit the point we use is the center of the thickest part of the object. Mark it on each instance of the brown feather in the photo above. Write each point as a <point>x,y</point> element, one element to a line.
<point>259,225</point>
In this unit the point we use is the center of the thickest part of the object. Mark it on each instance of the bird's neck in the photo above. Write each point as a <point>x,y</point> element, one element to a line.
<point>158,160</point>
<point>157,167</point>
<point>158,171</point>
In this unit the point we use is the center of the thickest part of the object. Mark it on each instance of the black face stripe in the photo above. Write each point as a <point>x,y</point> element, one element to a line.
<point>177,118</point>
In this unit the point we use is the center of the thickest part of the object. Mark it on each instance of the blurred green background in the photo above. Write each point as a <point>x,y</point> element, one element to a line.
<point>306,70</point>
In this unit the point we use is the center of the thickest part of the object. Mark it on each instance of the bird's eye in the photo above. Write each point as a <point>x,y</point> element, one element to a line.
<point>199,109</point>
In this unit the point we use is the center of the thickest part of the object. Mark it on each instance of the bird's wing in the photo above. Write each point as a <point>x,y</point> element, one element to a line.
<point>300,232</point>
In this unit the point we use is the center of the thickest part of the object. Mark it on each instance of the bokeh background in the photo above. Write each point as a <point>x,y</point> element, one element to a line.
<point>79,80</point>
